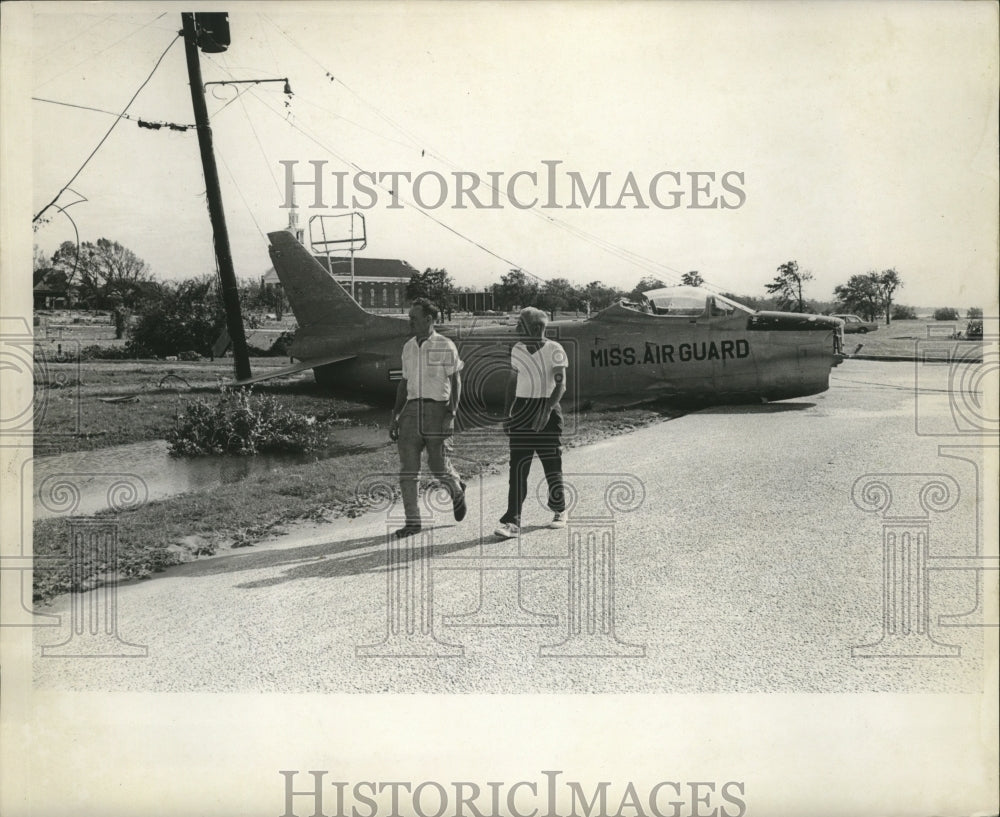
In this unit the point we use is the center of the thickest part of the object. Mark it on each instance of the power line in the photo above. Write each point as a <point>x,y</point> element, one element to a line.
<point>260,145</point>
<point>244,198</point>
<point>357,167</point>
<point>253,130</point>
<point>106,135</point>
<point>98,53</point>
<point>59,48</point>
<point>416,142</point>
<point>628,256</point>
<point>142,123</point>
<point>403,201</point>
<point>622,253</point>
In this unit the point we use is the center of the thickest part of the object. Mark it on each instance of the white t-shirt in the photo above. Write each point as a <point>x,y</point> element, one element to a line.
<point>536,373</point>
<point>428,367</point>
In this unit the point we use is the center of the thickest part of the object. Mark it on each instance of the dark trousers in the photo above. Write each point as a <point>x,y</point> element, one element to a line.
<point>524,444</point>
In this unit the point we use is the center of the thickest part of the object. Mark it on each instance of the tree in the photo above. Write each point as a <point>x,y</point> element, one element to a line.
<point>747,300</point>
<point>600,296</point>
<point>435,285</point>
<point>66,260</point>
<point>184,316</point>
<point>862,293</point>
<point>974,327</point>
<point>39,264</point>
<point>946,313</point>
<point>515,290</point>
<point>558,293</point>
<point>107,273</point>
<point>888,283</point>
<point>787,285</point>
<point>692,279</point>
<point>645,284</point>
<point>903,313</point>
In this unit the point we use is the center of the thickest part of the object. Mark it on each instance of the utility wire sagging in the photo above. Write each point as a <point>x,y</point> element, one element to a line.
<point>622,253</point>
<point>104,138</point>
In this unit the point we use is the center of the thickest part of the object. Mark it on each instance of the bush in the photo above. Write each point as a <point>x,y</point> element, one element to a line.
<point>946,313</point>
<point>96,352</point>
<point>182,317</point>
<point>241,422</point>
<point>903,313</point>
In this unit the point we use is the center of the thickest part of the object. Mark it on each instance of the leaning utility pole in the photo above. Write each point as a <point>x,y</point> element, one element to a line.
<point>196,34</point>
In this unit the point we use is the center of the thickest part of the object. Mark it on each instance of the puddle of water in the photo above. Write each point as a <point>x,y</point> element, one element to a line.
<point>83,483</point>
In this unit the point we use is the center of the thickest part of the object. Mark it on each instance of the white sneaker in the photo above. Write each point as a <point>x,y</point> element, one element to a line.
<point>559,520</point>
<point>507,530</point>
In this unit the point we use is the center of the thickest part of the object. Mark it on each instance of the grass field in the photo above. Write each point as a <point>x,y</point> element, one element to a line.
<point>900,339</point>
<point>71,415</point>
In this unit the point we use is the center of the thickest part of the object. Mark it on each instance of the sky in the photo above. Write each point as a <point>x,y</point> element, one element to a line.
<point>851,137</point>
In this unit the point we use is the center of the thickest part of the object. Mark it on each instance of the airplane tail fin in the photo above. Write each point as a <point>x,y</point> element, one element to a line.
<point>315,297</point>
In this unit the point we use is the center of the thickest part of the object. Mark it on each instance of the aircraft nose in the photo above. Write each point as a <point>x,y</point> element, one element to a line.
<point>826,322</point>
<point>792,322</point>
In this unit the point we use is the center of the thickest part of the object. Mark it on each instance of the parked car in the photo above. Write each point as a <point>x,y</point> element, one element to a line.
<point>852,323</point>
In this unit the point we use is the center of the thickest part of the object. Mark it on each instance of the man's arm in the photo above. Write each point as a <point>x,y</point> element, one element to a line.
<point>397,407</point>
<point>456,392</point>
<point>509,393</point>
<point>559,390</point>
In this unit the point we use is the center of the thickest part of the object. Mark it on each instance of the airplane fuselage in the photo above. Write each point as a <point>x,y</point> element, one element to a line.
<point>682,344</point>
<point>616,357</point>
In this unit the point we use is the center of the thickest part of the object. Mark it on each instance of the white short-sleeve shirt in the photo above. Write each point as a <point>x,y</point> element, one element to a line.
<point>536,372</point>
<point>428,367</point>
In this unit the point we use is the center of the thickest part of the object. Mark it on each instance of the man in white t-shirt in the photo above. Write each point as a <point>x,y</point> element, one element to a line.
<point>424,414</point>
<point>533,418</point>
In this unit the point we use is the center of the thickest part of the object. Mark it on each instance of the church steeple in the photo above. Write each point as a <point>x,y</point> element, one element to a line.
<point>293,221</point>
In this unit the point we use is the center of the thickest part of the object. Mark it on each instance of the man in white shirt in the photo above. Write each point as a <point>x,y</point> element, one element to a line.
<point>533,418</point>
<point>424,413</point>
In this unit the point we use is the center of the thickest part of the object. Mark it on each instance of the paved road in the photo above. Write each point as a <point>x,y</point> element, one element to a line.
<point>731,557</point>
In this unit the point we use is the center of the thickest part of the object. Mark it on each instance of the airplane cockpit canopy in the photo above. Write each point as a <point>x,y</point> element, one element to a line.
<point>689,302</point>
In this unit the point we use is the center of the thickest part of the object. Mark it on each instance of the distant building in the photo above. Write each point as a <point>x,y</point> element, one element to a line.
<point>379,283</point>
<point>52,291</point>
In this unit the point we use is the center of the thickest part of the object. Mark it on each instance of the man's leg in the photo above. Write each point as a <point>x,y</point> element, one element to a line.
<point>439,442</point>
<point>517,481</point>
<point>551,457</point>
<point>549,448</point>
<point>410,446</point>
